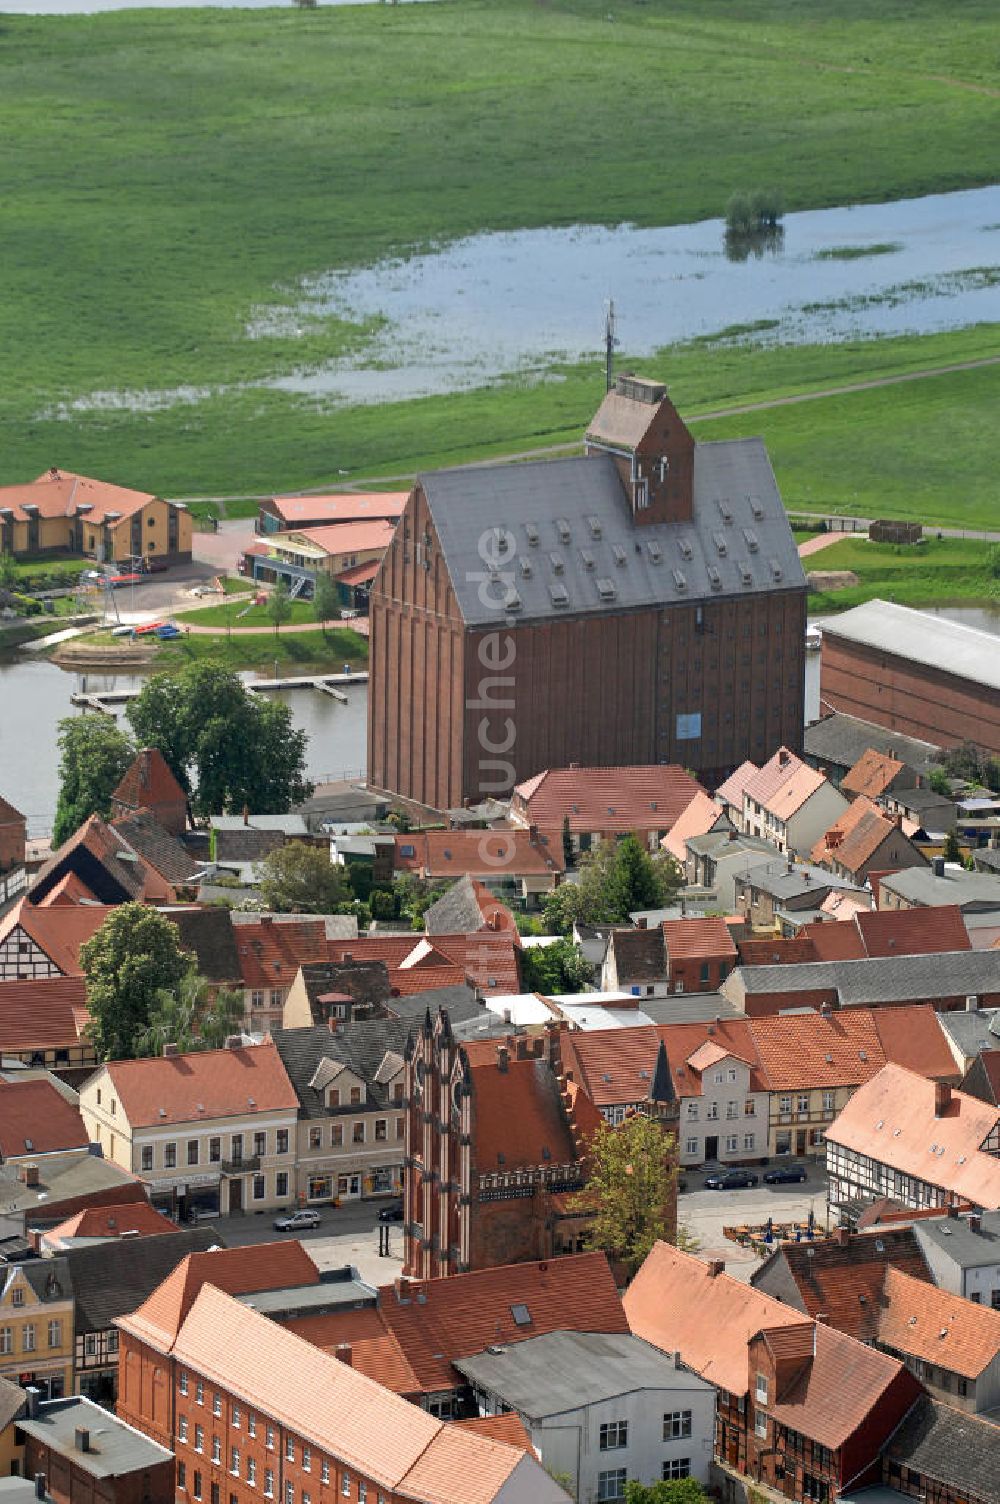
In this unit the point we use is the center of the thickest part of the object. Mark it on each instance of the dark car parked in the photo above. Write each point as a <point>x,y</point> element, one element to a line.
<point>730,1180</point>
<point>392,1211</point>
<point>786,1175</point>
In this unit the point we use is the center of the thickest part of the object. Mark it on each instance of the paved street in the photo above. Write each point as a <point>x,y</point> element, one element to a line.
<point>347,1235</point>
<point>705,1213</point>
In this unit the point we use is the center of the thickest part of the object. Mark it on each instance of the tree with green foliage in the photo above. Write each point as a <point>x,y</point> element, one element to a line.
<point>615,879</point>
<point>325,601</point>
<point>627,1188</point>
<point>95,754</point>
<point>666,1491</point>
<point>301,879</point>
<point>952,851</point>
<point>279,606</point>
<point>192,1018</point>
<point>8,570</point>
<point>229,747</point>
<point>559,967</point>
<point>569,855</point>
<point>938,781</point>
<point>129,964</point>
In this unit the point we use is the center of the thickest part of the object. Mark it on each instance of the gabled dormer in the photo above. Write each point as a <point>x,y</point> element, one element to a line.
<point>642,431</point>
<point>339,1086</point>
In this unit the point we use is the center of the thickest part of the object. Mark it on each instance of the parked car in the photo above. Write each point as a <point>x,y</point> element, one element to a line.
<point>155,566</point>
<point>296,1221</point>
<point>392,1211</point>
<point>168,630</point>
<point>786,1175</point>
<point>730,1180</point>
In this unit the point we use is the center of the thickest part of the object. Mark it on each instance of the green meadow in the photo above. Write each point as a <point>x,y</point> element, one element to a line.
<point>168,173</point>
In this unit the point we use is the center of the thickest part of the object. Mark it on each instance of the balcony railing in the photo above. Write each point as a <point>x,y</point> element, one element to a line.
<point>240,1166</point>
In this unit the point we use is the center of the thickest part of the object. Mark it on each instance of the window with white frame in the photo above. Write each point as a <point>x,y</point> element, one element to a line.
<point>251,1423</point>
<point>345,1485</point>
<point>324,1471</point>
<point>199,1392</point>
<point>828,1101</point>
<point>199,1438</point>
<point>182,1427</point>
<point>269,1438</point>
<point>760,1425</point>
<point>611,1484</point>
<point>784,1104</point>
<point>748,1140</point>
<point>216,1450</point>
<point>803,1101</point>
<point>55,1334</point>
<point>268,1483</point>
<point>289,1449</point>
<point>732,1073</point>
<point>732,1143</point>
<point>691,1146</point>
<point>676,1423</point>
<point>7,1340</point>
<point>259,1187</point>
<point>760,1389</point>
<point>289,1493</point>
<point>28,1337</point>
<point>713,1111</point>
<point>182,1382</point>
<point>613,1435</point>
<point>217,1404</point>
<point>676,1467</point>
<point>307,1459</point>
<point>719,1078</point>
<point>237,1418</point>
<point>732,1110</point>
<point>251,1472</point>
<point>234,1461</point>
<point>692,1111</point>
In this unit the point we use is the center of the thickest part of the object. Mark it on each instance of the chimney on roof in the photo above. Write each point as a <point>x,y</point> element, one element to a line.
<point>942,1098</point>
<point>267,918</point>
<point>841,1236</point>
<point>784,757</point>
<point>169,1050</point>
<point>503,1058</point>
<point>345,1353</point>
<point>574,767</point>
<point>938,866</point>
<point>898,820</point>
<point>825,1011</point>
<point>641,923</point>
<point>32,1396</point>
<point>29,1174</point>
<point>246,814</point>
<point>732,835</point>
<point>715,1267</point>
<point>533,834</point>
<point>81,1439</point>
<point>39,1485</point>
<point>233,1042</point>
<point>953,1211</point>
<point>822,1319</point>
<point>975,1222</point>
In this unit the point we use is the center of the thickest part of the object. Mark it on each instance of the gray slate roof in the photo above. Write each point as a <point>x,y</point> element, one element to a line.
<point>360,1046</point>
<point>460,1003</point>
<point>919,885</point>
<point>932,641</point>
<point>115,1448</point>
<point>456,912</point>
<point>883,979</point>
<point>157,846</point>
<point>209,934</point>
<point>561,1371</point>
<point>468,503</point>
<point>62,1177</point>
<point>115,1276</point>
<point>842,739</point>
<point>775,878</point>
<point>973,1030</point>
<point>951,1447</point>
<point>12,1401</point>
<point>955,1238</point>
<point>686,1007</point>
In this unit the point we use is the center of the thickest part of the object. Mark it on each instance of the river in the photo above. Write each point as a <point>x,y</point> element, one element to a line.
<point>35,695</point>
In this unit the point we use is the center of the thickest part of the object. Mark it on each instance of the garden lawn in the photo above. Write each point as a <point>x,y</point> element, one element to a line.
<point>938,571</point>
<point>293,652</point>
<point>171,172</point>
<point>226,615</point>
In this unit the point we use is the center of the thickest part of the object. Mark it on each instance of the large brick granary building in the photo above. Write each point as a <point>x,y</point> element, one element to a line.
<point>643,603</point>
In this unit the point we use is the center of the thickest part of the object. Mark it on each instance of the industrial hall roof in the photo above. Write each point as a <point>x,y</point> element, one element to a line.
<point>932,641</point>
<point>572,547</point>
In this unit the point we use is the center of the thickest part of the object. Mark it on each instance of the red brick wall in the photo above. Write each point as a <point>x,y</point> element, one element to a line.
<point>70,1483</point>
<point>688,972</point>
<point>13,834</point>
<point>928,703</point>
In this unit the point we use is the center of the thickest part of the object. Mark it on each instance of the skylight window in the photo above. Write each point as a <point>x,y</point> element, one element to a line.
<point>521,1314</point>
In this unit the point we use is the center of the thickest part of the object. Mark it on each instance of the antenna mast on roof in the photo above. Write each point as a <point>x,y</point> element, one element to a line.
<point>610,342</point>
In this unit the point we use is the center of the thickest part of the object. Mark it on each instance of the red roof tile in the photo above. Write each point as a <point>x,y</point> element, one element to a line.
<point>912,932</point>
<point>339,537</point>
<point>348,506</point>
<point>113,1222</point>
<point>734,787</point>
<point>202,1085</point>
<point>417,979</point>
<point>518,1119</point>
<point>488,958</point>
<point>70,889</point>
<point>842,1277</point>
<point>508,1428</point>
<point>696,819</point>
<point>778,951</point>
<point>924,1322</point>
<point>148,782</point>
<point>646,797</point>
<point>836,940</point>
<point>35,1118</point>
<point>872,774</point>
<point>58,931</point>
<point>678,1304</point>
<point>783,784</point>
<point>912,1037</point>
<point>271,953</point>
<point>374,1349</point>
<point>698,939</point>
<point>892,1119</point>
<point>42,1015</point>
<point>9,815</point>
<point>854,838</point>
<point>59,493</point>
<point>240,1271</point>
<point>478,853</point>
<point>833,1395</point>
<point>614,1066</point>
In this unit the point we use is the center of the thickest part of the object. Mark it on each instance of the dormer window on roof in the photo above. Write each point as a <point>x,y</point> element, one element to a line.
<point>557,564</point>
<point>563,529</point>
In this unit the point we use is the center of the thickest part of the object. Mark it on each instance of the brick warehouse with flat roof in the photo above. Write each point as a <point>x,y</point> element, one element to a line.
<point>643,603</point>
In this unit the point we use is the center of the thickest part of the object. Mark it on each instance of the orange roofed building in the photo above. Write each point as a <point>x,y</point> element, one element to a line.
<point>864,840</point>
<point>253,1410</point>
<point>803,1409</point>
<point>918,1141</point>
<point>149,784</point>
<point>65,513</point>
<point>602,804</point>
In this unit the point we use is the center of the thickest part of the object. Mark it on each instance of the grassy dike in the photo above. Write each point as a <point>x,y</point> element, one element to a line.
<point>177,170</point>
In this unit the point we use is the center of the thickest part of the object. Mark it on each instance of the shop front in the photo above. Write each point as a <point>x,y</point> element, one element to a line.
<point>191,1200</point>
